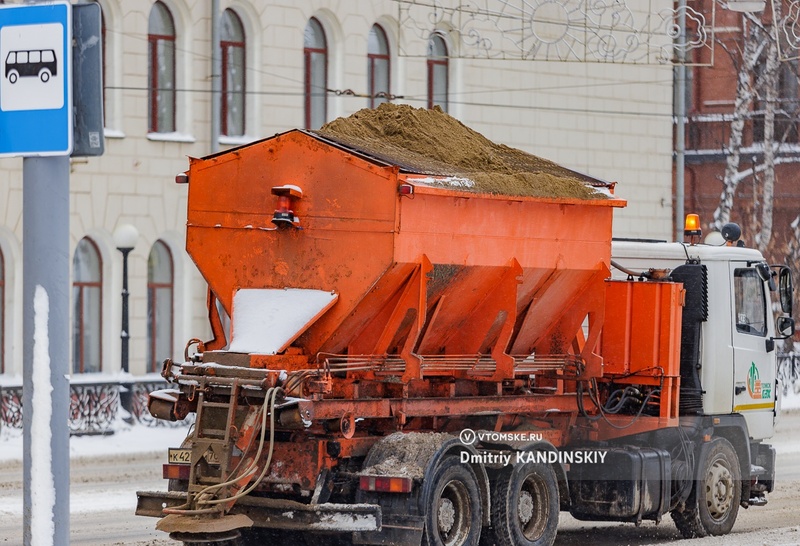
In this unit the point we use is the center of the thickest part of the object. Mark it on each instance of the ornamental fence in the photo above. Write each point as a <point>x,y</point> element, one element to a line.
<point>94,407</point>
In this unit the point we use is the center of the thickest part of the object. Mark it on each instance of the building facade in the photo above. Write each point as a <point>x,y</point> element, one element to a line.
<point>714,93</point>
<point>286,65</point>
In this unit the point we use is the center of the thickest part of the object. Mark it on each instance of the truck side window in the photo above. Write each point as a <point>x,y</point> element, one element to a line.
<point>751,305</point>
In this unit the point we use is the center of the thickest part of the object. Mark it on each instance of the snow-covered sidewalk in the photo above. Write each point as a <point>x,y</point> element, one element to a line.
<point>126,440</point>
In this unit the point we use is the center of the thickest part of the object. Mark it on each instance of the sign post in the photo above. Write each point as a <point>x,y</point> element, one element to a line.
<point>36,122</point>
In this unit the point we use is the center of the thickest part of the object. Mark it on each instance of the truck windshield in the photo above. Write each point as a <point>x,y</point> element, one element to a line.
<point>751,305</point>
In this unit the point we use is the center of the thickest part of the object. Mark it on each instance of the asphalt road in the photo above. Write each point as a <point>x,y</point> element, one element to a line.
<point>103,500</point>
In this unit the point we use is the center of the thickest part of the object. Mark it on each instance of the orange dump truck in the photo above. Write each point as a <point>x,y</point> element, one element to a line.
<point>415,358</point>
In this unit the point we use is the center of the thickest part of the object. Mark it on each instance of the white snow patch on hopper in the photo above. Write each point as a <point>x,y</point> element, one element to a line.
<point>451,181</point>
<point>267,320</point>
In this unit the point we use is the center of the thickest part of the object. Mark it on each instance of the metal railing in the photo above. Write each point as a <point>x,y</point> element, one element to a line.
<point>94,407</point>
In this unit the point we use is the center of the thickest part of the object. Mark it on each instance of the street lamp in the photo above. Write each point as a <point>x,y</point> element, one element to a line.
<point>125,237</point>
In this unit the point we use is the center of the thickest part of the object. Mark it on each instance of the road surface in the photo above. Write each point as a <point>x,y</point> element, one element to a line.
<point>103,500</point>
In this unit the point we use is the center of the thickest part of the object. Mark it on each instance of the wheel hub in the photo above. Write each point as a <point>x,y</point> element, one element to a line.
<point>719,490</point>
<point>446,515</point>
<point>525,507</point>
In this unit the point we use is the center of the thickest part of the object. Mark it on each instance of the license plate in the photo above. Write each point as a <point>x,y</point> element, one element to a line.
<point>179,455</point>
<point>183,455</point>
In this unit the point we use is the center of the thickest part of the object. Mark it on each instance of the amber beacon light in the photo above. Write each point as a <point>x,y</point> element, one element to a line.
<point>691,228</point>
<point>284,214</point>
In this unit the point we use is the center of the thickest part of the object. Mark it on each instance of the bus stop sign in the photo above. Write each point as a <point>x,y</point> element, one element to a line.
<point>35,79</point>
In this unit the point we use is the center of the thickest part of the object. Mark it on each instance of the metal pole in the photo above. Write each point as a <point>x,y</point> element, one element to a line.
<point>45,383</point>
<point>680,115</point>
<point>216,77</point>
<point>125,393</point>
<point>125,335</point>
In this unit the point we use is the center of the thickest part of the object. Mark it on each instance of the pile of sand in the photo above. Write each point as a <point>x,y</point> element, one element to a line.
<point>432,142</point>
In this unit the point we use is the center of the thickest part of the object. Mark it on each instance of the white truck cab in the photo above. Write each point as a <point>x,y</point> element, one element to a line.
<point>737,363</point>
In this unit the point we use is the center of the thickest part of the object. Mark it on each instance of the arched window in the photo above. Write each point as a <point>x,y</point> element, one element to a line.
<point>315,52</point>
<point>87,329</point>
<point>378,67</point>
<point>437,72</point>
<point>232,45</point>
<point>160,290</point>
<point>2,312</point>
<point>161,72</point>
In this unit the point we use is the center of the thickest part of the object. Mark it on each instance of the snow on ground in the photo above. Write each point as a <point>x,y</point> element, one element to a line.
<point>791,401</point>
<point>126,440</point>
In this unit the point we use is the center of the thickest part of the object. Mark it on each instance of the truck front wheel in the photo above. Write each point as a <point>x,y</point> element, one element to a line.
<point>525,506</point>
<point>453,506</point>
<point>718,494</point>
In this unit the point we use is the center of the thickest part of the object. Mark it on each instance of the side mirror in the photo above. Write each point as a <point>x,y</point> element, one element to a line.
<point>766,275</point>
<point>785,327</point>
<point>786,289</point>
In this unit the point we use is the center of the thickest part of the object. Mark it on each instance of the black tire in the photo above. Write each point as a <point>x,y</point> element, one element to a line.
<point>44,75</point>
<point>718,494</point>
<point>452,505</point>
<point>13,76</point>
<point>525,506</point>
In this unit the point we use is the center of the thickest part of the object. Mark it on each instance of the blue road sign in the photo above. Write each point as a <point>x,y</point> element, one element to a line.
<point>35,79</point>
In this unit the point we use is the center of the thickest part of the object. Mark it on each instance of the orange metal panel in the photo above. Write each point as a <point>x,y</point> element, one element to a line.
<point>347,213</point>
<point>485,230</point>
<point>642,327</point>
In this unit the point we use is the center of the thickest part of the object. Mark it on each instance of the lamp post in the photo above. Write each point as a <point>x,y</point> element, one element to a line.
<point>125,237</point>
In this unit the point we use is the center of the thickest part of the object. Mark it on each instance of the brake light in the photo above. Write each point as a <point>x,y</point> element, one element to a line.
<point>386,484</point>
<point>176,471</point>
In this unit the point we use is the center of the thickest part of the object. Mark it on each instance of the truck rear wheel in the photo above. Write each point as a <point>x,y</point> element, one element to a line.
<point>718,494</point>
<point>524,506</point>
<point>453,506</point>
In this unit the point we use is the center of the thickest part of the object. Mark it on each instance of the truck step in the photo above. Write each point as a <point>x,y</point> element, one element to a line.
<point>757,501</point>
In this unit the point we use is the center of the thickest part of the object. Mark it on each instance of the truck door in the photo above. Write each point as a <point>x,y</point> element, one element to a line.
<point>754,366</point>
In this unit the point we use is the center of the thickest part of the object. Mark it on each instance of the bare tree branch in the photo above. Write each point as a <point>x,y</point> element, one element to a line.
<point>744,98</point>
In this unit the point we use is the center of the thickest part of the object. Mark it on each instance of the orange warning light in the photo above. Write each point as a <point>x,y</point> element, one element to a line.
<point>691,228</point>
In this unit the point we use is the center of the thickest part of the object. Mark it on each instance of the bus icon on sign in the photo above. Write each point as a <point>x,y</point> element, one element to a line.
<point>39,63</point>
